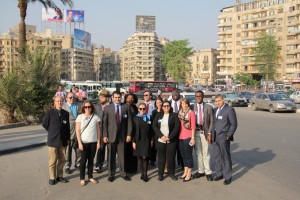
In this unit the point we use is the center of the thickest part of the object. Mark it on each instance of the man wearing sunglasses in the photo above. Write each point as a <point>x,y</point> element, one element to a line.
<point>72,108</point>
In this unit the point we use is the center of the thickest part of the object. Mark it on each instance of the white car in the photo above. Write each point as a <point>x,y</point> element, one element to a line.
<point>296,96</point>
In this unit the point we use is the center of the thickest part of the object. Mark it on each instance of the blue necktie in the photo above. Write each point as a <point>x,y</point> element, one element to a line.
<point>73,110</point>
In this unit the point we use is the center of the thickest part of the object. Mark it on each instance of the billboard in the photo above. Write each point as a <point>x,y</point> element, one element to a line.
<point>145,23</point>
<point>82,39</point>
<point>74,16</point>
<point>52,15</point>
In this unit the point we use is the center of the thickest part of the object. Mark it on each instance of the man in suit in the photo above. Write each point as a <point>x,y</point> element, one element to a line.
<point>56,122</point>
<point>104,101</point>
<point>73,112</point>
<point>117,130</point>
<point>204,123</point>
<point>225,124</point>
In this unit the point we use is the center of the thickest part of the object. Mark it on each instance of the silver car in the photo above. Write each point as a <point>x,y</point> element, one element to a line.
<point>296,96</point>
<point>273,102</point>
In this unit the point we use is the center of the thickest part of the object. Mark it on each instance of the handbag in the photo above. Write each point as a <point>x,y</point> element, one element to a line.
<point>76,141</point>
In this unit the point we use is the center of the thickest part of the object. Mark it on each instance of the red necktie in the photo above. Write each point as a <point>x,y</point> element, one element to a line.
<point>200,114</point>
<point>118,116</point>
<point>175,107</point>
<point>147,109</point>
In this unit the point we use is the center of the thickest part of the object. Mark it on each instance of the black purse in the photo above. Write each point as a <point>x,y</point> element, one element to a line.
<point>76,141</point>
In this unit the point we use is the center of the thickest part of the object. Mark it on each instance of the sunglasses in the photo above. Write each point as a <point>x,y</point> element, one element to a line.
<point>87,107</point>
<point>166,106</point>
<point>145,95</point>
<point>142,108</point>
<point>71,98</point>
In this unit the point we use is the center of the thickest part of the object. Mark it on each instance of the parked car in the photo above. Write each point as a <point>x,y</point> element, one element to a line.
<point>296,96</point>
<point>232,99</point>
<point>273,102</point>
<point>247,95</point>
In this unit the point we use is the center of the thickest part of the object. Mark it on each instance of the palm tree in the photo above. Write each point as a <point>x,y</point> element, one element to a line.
<point>22,5</point>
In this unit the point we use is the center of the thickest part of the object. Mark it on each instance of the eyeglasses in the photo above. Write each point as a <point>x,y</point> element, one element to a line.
<point>71,97</point>
<point>166,106</point>
<point>142,108</point>
<point>87,107</point>
<point>145,95</point>
<point>198,96</point>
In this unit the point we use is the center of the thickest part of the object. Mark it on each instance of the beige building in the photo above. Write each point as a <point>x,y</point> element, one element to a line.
<point>139,57</point>
<point>9,45</point>
<point>240,24</point>
<point>204,67</point>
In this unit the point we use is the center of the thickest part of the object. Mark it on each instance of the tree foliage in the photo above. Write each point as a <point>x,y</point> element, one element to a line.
<point>22,5</point>
<point>176,59</point>
<point>246,79</point>
<point>266,55</point>
<point>28,91</point>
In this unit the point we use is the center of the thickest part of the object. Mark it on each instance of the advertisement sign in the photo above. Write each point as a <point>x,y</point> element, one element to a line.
<point>145,23</point>
<point>52,15</point>
<point>82,39</point>
<point>74,16</point>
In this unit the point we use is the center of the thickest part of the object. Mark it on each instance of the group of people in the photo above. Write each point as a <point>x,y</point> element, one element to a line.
<point>139,133</point>
<point>79,94</point>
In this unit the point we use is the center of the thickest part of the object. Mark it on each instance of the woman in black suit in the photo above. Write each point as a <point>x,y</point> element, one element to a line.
<point>166,127</point>
<point>141,139</point>
<point>130,160</point>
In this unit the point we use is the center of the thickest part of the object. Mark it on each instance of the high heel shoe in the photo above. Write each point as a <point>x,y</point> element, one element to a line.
<point>187,180</point>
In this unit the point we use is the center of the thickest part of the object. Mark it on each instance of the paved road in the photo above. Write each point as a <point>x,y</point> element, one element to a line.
<point>265,164</point>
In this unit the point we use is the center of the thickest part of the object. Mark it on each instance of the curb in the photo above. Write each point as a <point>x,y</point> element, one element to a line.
<point>13,150</point>
<point>15,125</point>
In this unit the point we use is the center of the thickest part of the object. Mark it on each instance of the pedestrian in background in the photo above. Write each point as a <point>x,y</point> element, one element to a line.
<point>56,122</point>
<point>88,137</point>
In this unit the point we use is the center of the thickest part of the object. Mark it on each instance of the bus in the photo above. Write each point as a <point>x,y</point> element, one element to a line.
<point>154,86</point>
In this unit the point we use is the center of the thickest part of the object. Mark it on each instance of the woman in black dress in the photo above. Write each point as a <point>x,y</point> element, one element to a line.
<point>142,136</point>
<point>130,160</point>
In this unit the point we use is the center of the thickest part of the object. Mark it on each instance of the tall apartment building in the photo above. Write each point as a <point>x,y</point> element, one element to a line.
<point>204,67</point>
<point>140,59</point>
<point>240,24</point>
<point>9,45</point>
<point>77,64</point>
<point>106,64</point>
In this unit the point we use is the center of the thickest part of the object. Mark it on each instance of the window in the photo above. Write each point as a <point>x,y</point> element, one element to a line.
<point>280,10</point>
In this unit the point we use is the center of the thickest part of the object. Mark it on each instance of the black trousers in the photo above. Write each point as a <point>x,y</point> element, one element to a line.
<point>87,155</point>
<point>101,154</point>
<point>113,149</point>
<point>69,150</point>
<point>186,151</point>
<point>166,152</point>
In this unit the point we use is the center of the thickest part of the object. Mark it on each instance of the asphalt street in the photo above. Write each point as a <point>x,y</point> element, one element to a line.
<point>265,157</point>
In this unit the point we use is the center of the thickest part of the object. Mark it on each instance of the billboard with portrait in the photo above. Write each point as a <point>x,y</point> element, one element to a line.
<point>52,15</point>
<point>74,16</point>
<point>82,39</point>
<point>145,23</point>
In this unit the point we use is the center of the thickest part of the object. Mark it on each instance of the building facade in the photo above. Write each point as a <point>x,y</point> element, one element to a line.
<point>204,67</point>
<point>140,58</point>
<point>240,24</point>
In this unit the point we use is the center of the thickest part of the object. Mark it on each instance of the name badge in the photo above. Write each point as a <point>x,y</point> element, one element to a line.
<point>149,122</point>
<point>64,122</point>
<point>160,120</point>
<point>220,117</point>
<point>125,116</point>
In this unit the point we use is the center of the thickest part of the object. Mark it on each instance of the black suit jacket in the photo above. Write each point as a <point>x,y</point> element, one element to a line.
<point>174,126</point>
<point>224,124</point>
<point>58,128</point>
<point>110,124</point>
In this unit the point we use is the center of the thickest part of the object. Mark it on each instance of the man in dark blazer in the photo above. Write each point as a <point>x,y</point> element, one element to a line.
<point>73,111</point>
<point>56,122</point>
<point>204,124</point>
<point>103,102</point>
<point>224,127</point>
<point>117,130</point>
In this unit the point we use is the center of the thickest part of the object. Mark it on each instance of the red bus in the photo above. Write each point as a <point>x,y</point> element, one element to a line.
<point>164,86</point>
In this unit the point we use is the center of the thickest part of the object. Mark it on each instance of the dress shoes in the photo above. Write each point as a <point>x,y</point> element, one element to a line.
<point>111,179</point>
<point>145,179</point>
<point>198,175</point>
<point>127,178</point>
<point>68,171</point>
<point>142,177</point>
<point>52,182</point>
<point>209,177</point>
<point>217,178</point>
<point>173,177</point>
<point>227,182</point>
<point>62,180</point>
<point>160,178</point>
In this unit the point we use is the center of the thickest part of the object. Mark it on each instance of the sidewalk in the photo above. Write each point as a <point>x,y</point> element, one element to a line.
<point>25,137</point>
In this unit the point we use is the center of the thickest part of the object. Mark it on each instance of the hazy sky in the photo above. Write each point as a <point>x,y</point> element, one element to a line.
<point>111,22</point>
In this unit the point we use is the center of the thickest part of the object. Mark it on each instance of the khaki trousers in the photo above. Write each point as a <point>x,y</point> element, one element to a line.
<point>202,153</point>
<point>57,160</point>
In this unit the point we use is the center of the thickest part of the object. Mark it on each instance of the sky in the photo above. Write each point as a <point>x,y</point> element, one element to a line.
<point>112,22</point>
